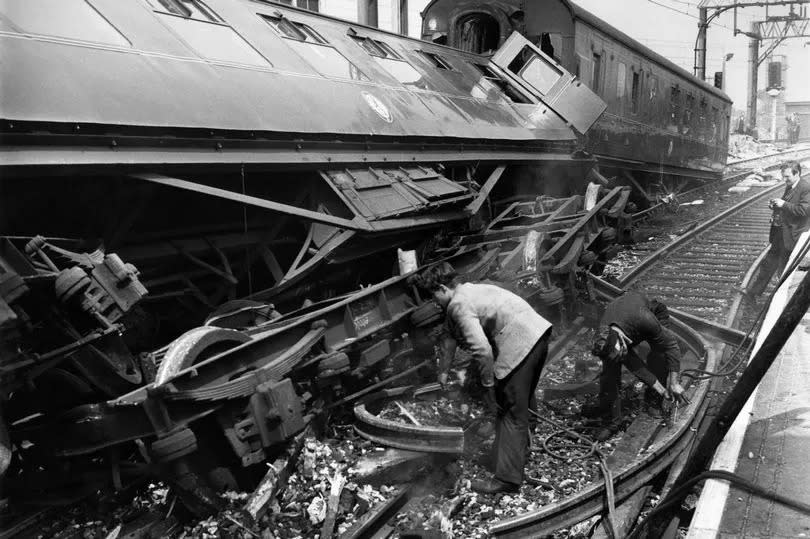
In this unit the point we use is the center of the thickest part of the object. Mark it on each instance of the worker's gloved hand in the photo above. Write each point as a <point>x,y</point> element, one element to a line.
<point>443,379</point>
<point>676,393</point>
<point>489,399</point>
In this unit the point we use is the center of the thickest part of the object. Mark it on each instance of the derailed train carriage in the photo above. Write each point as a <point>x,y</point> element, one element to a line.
<point>235,149</point>
<point>663,128</point>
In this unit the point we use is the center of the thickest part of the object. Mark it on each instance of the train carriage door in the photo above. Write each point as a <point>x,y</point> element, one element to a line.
<point>550,82</point>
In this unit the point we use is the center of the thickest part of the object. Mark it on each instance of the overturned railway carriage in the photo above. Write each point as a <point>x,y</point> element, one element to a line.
<point>662,125</point>
<point>229,149</point>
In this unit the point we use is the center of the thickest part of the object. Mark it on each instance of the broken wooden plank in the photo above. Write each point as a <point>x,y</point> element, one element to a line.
<point>332,505</point>
<point>276,477</point>
<point>404,411</point>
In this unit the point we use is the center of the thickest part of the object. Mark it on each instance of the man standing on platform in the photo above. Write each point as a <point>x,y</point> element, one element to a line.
<point>509,340</point>
<point>630,320</point>
<point>791,217</point>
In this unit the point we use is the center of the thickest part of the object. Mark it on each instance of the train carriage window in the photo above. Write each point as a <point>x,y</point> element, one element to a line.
<point>621,79</point>
<point>311,5</point>
<point>206,33</point>
<point>702,119</point>
<point>535,70</point>
<point>687,113</point>
<point>294,30</point>
<point>635,91</point>
<point>73,19</point>
<point>311,46</point>
<point>584,70</point>
<point>436,60</point>
<point>380,49</point>
<point>674,108</point>
<point>402,71</point>
<point>596,76</point>
<point>190,9</point>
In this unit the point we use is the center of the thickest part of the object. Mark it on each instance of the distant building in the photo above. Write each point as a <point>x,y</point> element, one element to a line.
<point>399,16</point>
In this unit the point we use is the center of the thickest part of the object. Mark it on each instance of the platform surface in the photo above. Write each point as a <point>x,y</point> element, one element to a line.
<point>768,444</point>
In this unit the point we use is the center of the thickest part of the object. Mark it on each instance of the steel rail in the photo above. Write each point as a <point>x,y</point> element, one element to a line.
<point>707,335</point>
<point>425,438</point>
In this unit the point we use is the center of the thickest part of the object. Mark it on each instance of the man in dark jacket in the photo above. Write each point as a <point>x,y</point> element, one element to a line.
<point>791,217</point>
<point>630,320</point>
<point>509,340</point>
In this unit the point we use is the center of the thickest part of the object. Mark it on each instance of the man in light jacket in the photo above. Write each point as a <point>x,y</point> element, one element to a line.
<point>509,340</point>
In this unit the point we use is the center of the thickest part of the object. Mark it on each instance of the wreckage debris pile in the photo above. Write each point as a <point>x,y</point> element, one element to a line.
<point>439,412</point>
<point>451,509</point>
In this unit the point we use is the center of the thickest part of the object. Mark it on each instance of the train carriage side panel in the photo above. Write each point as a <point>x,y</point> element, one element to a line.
<point>172,83</point>
<point>644,127</point>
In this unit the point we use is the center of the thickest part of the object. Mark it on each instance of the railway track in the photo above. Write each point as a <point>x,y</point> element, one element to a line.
<point>695,275</point>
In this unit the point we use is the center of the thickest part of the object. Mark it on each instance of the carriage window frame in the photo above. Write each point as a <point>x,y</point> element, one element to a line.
<point>675,115</point>
<point>182,10</point>
<point>621,80</point>
<point>437,60</point>
<point>688,111</point>
<point>596,72</point>
<point>209,35</point>
<point>635,91</point>
<point>290,29</point>
<point>376,48</point>
<point>277,22</point>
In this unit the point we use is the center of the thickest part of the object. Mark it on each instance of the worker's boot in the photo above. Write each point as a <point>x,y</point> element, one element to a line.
<point>611,422</point>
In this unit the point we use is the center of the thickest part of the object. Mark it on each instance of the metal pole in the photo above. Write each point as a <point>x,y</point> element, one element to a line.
<point>773,117</point>
<point>753,71</point>
<point>750,379</point>
<point>700,47</point>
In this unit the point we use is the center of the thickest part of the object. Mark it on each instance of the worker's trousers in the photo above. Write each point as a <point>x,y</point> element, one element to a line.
<point>514,394</point>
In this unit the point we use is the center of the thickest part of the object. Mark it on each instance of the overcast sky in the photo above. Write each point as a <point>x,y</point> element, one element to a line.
<point>670,27</point>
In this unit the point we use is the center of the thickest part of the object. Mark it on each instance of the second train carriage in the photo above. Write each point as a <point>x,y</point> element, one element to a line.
<point>662,125</point>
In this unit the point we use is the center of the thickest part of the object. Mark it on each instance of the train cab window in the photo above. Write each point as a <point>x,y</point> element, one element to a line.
<point>436,60</point>
<point>72,19</point>
<point>535,70</point>
<point>206,33</point>
<point>596,76</point>
<point>190,9</point>
<point>621,79</point>
<point>313,48</point>
<point>380,49</point>
<point>492,79</point>
<point>635,91</point>
<point>715,124</point>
